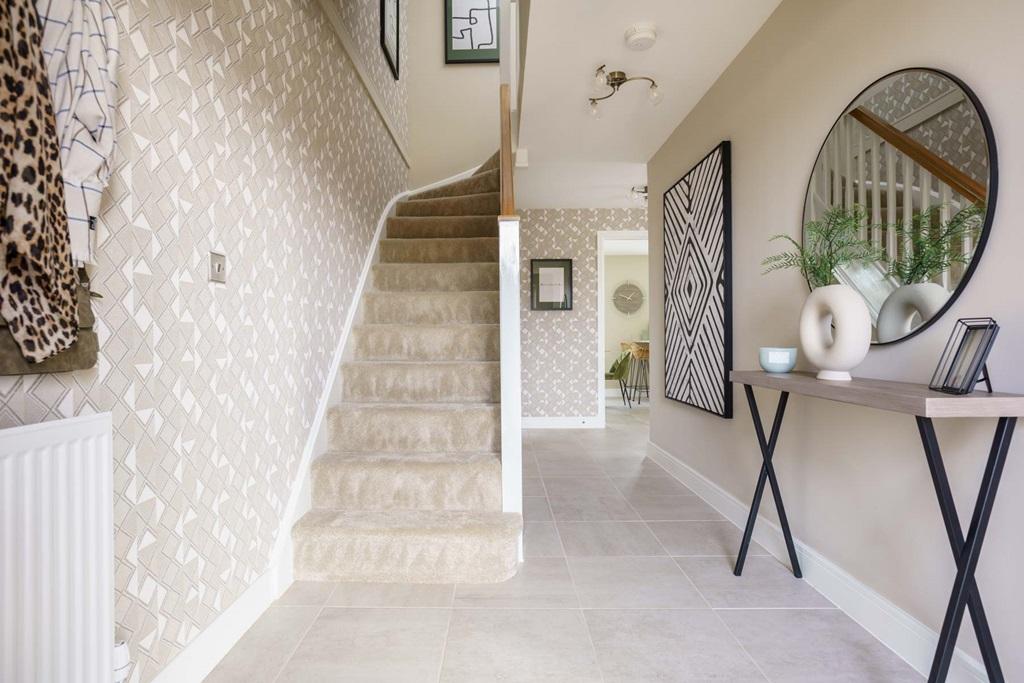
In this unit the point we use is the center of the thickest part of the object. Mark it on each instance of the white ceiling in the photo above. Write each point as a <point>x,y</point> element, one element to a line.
<point>569,39</point>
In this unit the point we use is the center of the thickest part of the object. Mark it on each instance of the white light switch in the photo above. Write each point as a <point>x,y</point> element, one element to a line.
<point>218,267</point>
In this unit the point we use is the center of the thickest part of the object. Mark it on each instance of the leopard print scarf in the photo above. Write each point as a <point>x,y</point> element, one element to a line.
<point>37,280</point>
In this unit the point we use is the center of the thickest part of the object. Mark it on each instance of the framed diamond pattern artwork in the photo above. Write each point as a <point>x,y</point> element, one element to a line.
<point>389,31</point>
<point>698,286</point>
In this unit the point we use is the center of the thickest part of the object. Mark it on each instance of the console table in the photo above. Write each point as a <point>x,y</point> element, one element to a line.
<point>925,405</point>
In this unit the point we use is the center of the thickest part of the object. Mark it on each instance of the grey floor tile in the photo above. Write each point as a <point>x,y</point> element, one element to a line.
<point>536,509</point>
<point>815,645</point>
<point>519,645</point>
<point>630,466</point>
<point>262,651</point>
<point>530,466</point>
<point>359,644</point>
<point>667,645</point>
<point>568,465</point>
<point>540,539</point>
<point>674,509</point>
<point>533,486</point>
<point>632,582</point>
<point>608,539</point>
<point>307,593</point>
<point>765,583</point>
<point>638,488</point>
<point>392,595</point>
<point>542,582</point>
<point>584,499</point>
<point>701,538</point>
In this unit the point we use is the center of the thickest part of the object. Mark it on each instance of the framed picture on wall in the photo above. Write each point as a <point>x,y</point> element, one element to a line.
<point>389,33</point>
<point>470,31</point>
<point>551,284</point>
<point>698,285</point>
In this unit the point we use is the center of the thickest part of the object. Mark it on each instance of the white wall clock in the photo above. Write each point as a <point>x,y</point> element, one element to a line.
<point>628,298</point>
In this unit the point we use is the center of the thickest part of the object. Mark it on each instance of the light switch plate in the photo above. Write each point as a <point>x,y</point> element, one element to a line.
<point>218,267</point>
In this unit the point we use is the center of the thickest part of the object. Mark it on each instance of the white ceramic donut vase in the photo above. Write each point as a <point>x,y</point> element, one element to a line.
<point>835,331</point>
<point>920,301</point>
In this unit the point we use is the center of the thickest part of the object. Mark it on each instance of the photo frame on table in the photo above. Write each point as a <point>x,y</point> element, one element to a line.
<point>470,31</point>
<point>390,33</point>
<point>550,284</point>
<point>698,285</point>
<point>962,365</point>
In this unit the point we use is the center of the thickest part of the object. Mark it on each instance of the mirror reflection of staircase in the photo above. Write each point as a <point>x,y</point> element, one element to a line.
<point>410,490</point>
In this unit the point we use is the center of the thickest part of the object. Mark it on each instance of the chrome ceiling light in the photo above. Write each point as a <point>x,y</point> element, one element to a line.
<point>615,80</point>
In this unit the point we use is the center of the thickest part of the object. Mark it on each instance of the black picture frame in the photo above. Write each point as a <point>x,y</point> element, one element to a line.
<point>697,222</point>
<point>565,265</point>
<point>962,365</point>
<point>993,187</point>
<point>392,60</point>
<point>475,56</point>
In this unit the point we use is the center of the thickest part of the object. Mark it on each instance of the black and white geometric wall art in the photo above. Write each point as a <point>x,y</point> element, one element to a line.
<point>698,286</point>
<point>389,30</point>
<point>471,31</point>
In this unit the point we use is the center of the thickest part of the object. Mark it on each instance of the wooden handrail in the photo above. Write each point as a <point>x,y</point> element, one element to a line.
<point>962,183</point>
<point>508,199</point>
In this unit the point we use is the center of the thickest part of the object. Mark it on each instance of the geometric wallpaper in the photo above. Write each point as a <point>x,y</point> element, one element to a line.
<point>245,130</point>
<point>559,348</point>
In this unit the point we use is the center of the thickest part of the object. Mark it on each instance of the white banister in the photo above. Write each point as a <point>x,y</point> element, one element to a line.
<point>511,389</point>
<point>945,197</point>
<point>876,192</point>
<point>890,200</point>
<point>908,202</point>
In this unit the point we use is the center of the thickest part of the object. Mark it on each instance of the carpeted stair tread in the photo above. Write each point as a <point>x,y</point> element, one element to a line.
<point>407,481</point>
<point>406,546</point>
<point>427,342</point>
<point>483,204</point>
<point>478,183</point>
<point>431,382</point>
<point>435,277</point>
<point>415,427</point>
<point>430,308</point>
<point>440,250</point>
<point>416,227</point>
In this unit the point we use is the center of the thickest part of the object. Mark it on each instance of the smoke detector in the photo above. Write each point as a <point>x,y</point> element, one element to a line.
<point>641,36</point>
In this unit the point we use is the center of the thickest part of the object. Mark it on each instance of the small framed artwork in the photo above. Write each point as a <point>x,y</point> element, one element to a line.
<point>551,284</point>
<point>962,365</point>
<point>470,31</point>
<point>389,33</point>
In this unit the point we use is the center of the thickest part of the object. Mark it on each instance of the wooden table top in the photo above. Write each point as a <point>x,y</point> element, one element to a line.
<point>897,397</point>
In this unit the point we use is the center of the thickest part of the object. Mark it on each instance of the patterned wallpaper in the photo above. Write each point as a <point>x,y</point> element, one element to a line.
<point>250,135</point>
<point>560,347</point>
<point>362,19</point>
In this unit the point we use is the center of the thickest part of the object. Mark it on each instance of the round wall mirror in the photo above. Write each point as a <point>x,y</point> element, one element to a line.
<point>902,196</point>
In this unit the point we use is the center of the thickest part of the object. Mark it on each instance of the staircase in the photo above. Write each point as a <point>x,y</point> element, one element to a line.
<point>410,490</point>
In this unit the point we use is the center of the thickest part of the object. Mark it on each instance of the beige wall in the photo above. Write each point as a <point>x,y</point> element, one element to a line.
<point>560,347</point>
<point>453,108</point>
<point>617,325</point>
<point>253,137</point>
<point>856,484</point>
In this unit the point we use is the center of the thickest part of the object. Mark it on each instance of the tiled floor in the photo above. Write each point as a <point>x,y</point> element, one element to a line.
<point>627,578</point>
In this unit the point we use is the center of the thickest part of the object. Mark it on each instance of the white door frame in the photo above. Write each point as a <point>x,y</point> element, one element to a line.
<point>603,236</point>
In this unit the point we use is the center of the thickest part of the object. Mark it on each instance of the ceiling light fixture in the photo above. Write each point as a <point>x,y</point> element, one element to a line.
<point>615,80</point>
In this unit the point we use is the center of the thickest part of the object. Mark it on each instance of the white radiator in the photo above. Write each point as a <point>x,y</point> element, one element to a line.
<point>57,552</point>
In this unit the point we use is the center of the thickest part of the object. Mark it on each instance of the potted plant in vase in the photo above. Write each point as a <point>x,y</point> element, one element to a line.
<point>835,324</point>
<point>928,249</point>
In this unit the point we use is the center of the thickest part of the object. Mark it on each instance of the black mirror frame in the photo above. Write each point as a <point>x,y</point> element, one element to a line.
<point>993,187</point>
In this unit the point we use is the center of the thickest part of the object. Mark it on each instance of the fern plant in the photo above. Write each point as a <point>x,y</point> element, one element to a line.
<point>928,251</point>
<point>828,243</point>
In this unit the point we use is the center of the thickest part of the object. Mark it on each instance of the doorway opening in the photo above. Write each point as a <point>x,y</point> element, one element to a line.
<point>623,322</point>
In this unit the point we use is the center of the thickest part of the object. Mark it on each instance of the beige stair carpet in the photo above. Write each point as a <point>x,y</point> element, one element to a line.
<point>410,489</point>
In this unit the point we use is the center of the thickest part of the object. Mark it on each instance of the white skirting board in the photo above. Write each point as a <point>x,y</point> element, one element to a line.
<point>580,422</point>
<point>894,627</point>
<point>199,658</point>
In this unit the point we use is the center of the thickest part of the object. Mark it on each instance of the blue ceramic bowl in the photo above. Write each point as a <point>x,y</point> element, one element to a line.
<point>777,360</point>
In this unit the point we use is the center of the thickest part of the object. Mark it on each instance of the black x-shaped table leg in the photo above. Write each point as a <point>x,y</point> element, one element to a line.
<point>966,551</point>
<point>767,474</point>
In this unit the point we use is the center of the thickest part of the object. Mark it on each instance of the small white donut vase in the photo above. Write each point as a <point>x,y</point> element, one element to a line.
<point>835,331</point>
<point>897,315</point>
